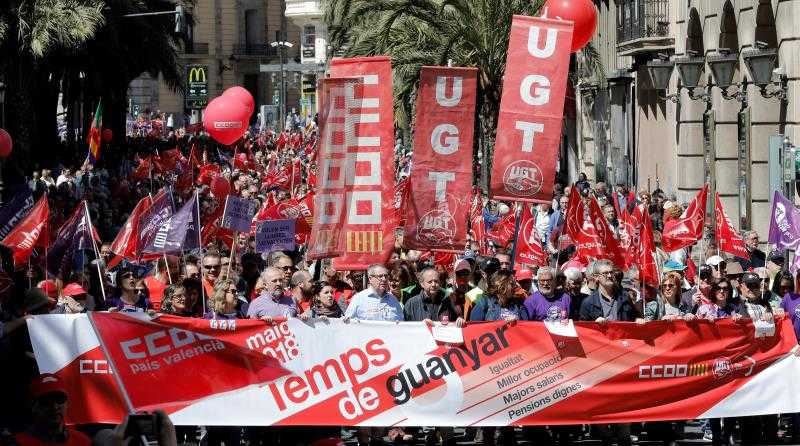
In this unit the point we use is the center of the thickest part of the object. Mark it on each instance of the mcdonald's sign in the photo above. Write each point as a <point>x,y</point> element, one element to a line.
<point>196,86</point>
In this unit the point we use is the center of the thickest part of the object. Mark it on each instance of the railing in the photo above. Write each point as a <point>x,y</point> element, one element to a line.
<point>638,19</point>
<point>196,48</point>
<point>255,50</point>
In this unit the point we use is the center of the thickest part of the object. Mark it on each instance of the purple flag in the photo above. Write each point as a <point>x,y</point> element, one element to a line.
<point>74,236</point>
<point>155,216</point>
<point>192,240</point>
<point>784,227</point>
<point>171,235</point>
<point>238,213</point>
<point>275,235</point>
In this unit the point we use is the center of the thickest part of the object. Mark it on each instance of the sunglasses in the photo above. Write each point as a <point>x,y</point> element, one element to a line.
<point>286,268</point>
<point>212,266</point>
<point>140,291</point>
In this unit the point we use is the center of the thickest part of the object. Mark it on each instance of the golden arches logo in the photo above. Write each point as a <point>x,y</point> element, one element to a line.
<point>197,74</point>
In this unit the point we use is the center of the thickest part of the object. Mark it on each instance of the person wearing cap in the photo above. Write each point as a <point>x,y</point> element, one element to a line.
<point>701,292</point>
<point>74,300</point>
<point>524,277</point>
<point>756,258</point>
<point>718,265</point>
<point>50,402</point>
<point>487,268</point>
<point>753,304</point>
<point>546,304</point>
<point>462,272</point>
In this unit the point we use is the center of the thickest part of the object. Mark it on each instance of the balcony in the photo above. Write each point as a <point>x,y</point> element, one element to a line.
<point>643,26</point>
<point>303,9</point>
<point>259,50</point>
<point>198,48</point>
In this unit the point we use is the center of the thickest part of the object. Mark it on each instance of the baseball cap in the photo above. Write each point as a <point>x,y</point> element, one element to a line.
<point>48,286</point>
<point>714,260</point>
<point>524,274</point>
<point>776,256</point>
<point>490,265</point>
<point>73,289</point>
<point>47,383</point>
<point>672,265</point>
<point>462,265</point>
<point>750,278</point>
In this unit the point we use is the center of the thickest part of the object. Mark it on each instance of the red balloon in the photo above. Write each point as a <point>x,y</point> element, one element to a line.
<point>242,95</point>
<point>220,187</point>
<point>582,12</point>
<point>225,119</point>
<point>5,144</point>
<point>107,135</point>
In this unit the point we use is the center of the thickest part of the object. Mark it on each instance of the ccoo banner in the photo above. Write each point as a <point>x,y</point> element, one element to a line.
<point>387,374</point>
<point>368,227</point>
<point>531,110</point>
<point>441,179</point>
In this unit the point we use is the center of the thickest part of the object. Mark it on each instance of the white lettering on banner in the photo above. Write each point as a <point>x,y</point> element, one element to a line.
<point>441,84</point>
<point>155,346</point>
<point>373,178</point>
<point>663,371</point>
<point>451,139</point>
<point>441,179</point>
<point>361,200</point>
<point>549,46</point>
<point>29,238</point>
<point>94,366</point>
<point>529,131</point>
<point>540,86</point>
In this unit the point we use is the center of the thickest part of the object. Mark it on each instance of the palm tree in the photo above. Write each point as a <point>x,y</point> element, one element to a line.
<point>469,33</point>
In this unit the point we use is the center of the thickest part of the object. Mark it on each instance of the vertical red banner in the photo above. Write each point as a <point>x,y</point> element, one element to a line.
<point>441,178</point>
<point>531,110</point>
<point>368,222</point>
<point>337,133</point>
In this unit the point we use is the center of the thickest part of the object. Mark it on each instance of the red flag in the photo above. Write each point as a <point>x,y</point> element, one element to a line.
<point>143,170</point>
<point>442,173</point>
<point>25,235</point>
<point>126,242</point>
<point>531,109</point>
<point>688,228</point>
<point>575,213</point>
<point>477,228</point>
<point>140,361</point>
<point>645,260</point>
<point>595,239</point>
<point>503,231</point>
<point>727,238</point>
<point>207,173</point>
<point>402,190</point>
<point>280,143</point>
<point>529,247</point>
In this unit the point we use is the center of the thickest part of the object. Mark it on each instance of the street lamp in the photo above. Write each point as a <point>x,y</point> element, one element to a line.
<point>690,69</point>
<point>660,71</point>
<point>723,66</point>
<point>283,45</point>
<point>761,62</point>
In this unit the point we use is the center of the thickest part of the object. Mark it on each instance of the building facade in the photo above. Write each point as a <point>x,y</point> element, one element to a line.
<point>694,92</point>
<point>230,42</point>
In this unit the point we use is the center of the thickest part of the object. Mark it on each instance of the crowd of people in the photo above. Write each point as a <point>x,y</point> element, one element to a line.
<point>227,279</point>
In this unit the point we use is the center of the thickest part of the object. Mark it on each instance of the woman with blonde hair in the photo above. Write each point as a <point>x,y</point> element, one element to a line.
<point>225,303</point>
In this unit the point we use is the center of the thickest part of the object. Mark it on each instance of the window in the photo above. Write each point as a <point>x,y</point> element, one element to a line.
<point>252,29</point>
<point>309,35</point>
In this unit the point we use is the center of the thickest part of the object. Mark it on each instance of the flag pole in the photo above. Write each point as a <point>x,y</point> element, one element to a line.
<point>233,253</point>
<point>200,247</point>
<point>517,212</point>
<point>96,251</point>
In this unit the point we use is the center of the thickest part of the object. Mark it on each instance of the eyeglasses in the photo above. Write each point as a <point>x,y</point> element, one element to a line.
<point>212,266</point>
<point>286,268</point>
<point>668,285</point>
<point>235,291</point>
<point>606,273</point>
<point>140,291</point>
<point>380,276</point>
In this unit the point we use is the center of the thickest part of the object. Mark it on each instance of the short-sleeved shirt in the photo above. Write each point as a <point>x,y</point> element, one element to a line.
<point>791,305</point>
<point>366,305</point>
<point>266,306</point>
<point>544,308</point>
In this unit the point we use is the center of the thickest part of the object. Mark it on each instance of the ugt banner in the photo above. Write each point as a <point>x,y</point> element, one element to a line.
<point>531,109</point>
<point>368,228</point>
<point>442,175</point>
<point>386,374</point>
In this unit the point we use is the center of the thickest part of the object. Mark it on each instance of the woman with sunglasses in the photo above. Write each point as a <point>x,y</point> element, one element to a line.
<point>721,306</point>
<point>225,302</point>
<point>668,305</point>
<point>131,295</point>
<point>178,301</point>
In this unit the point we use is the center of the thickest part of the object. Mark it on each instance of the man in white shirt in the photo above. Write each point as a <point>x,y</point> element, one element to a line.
<point>375,303</point>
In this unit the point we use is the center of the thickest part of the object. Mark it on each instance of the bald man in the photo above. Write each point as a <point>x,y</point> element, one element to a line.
<point>272,303</point>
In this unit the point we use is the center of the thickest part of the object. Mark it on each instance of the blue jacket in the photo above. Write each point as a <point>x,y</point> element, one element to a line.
<point>488,309</point>
<point>592,308</point>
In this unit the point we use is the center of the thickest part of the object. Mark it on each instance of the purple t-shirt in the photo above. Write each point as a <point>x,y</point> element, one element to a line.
<point>791,305</point>
<point>540,308</point>
<point>265,306</point>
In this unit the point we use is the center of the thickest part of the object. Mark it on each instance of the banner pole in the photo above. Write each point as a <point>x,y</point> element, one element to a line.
<point>166,264</point>
<point>96,251</point>
<point>517,212</point>
<point>233,253</point>
<point>200,248</point>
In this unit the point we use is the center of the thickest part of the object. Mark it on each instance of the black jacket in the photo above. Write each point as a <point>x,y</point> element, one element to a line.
<point>592,307</point>
<point>420,307</point>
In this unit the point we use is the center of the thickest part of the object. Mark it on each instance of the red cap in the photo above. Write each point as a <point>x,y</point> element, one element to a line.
<point>462,265</point>
<point>49,287</point>
<point>524,274</point>
<point>47,383</point>
<point>73,289</point>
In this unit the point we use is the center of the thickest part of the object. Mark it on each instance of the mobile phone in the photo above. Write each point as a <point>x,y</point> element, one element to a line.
<point>144,424</point>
